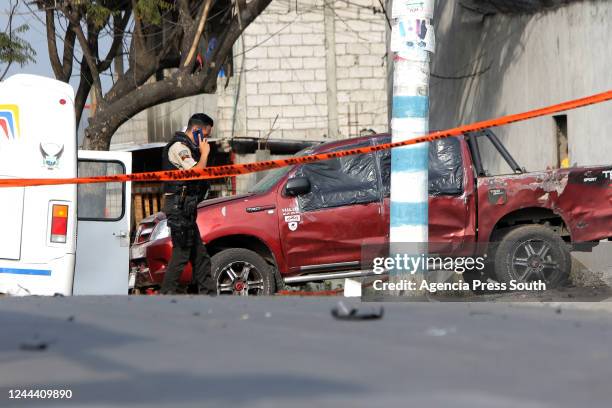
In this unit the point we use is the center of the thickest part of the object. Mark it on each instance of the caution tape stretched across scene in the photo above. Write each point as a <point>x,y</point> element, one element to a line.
<point>238,169</point>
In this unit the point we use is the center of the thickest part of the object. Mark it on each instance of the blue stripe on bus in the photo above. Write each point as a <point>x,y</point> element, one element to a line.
<point>39,272</point>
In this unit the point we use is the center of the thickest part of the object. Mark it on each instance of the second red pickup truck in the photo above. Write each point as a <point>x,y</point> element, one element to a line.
<point>309,222</point>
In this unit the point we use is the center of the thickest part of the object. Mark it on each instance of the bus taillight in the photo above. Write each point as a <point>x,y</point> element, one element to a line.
<point>59,223</point>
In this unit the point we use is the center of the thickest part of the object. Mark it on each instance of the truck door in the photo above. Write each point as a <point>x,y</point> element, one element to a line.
<point>103,238</point>
<point>452,208</point>
<point>451,192</point>
<point>324,229</point>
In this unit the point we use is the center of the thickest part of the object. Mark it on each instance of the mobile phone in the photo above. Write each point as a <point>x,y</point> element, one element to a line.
<point>198,136</point>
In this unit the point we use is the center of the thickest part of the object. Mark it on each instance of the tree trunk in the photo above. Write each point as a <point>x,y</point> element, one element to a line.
<point>109,117</point>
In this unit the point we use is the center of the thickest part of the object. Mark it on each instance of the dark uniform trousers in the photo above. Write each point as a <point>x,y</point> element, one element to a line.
<point>187,246</point>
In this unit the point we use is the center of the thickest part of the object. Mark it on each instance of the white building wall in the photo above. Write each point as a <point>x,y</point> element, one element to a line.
<point>361,66</point>
<point>285,72</point>
<point>527,62</point>
<point>158,124</point>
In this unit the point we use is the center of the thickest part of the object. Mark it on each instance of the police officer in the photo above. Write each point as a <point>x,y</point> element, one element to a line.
<point>187,150</point>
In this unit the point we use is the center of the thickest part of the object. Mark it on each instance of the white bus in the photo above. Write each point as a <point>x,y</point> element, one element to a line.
<point>64,239</point>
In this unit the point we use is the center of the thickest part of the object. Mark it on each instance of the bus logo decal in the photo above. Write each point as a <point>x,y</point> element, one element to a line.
<point>9,121</point>
<point>51,154</point>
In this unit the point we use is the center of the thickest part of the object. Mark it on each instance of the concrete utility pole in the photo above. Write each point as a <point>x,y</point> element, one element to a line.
<point>412,42</point>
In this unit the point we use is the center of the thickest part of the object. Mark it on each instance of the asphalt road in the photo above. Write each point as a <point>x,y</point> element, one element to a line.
<point>286,352</point>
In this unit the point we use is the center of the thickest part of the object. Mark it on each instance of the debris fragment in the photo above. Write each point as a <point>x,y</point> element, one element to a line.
<point>341,312</point>
<point>268,314</point>
<point>34,346</point>
<point>245,316</point>
<point>70,318</point>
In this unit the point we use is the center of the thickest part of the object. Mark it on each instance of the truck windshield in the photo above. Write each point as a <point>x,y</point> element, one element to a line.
<point>274,175</point>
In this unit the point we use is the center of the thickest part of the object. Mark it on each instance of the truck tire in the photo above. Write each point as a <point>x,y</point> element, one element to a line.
<point>530,253</point>
<point>239,271</point>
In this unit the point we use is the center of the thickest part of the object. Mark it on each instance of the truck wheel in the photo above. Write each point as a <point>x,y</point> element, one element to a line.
<point>239,271</point>
<point>533,253</point>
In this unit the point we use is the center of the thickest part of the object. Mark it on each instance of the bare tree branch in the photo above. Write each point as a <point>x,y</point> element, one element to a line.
<point>68,57</point>
<point>82,91</point>
<point>88,54</point>
<point>188,61</point>
<point>52,45</point>
<point>63,69</point>
<point>119,25</point>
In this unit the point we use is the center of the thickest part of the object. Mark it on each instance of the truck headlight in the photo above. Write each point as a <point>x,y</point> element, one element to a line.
<point>161,231</point>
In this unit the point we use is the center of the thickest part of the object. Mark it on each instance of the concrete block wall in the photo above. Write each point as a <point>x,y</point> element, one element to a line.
<point>132,132</point>
<point>230,115</point>
<point>167,118</point>
<point>158,123</point>
<point>510,64</point>
<point>361,66</point>
<point>286,72</point>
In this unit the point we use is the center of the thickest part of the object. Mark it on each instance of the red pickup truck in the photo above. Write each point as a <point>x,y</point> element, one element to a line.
<point>308,222</point>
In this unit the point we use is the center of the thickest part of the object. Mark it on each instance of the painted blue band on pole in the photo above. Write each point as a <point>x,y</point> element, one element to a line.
<point>38,272</point>
<point>408,214</point>
<point>410,106</point>
<point>410,159</point>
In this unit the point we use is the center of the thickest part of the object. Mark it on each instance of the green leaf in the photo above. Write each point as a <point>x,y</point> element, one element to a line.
<point>150,11</point>
<point>14,49</point>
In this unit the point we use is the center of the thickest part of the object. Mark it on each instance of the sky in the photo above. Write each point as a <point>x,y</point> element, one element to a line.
<point>37,37</point>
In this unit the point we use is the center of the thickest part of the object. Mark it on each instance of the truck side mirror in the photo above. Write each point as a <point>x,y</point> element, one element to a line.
<point>297,185</point>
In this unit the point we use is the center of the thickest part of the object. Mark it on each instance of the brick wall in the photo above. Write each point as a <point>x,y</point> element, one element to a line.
<point>158,124</point>
<point>361,65</point>
<point>285,72</point>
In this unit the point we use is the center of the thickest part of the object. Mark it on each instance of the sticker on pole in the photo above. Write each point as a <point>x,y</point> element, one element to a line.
<point>412,8</point>
<point>410,34</point>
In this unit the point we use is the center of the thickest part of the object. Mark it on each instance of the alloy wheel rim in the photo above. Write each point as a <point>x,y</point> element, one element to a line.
<point>240,278</point>
<point>532,261</point>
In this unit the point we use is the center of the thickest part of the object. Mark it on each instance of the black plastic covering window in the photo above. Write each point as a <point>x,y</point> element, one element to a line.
<point>340,181</point>
<point>445,167</point>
